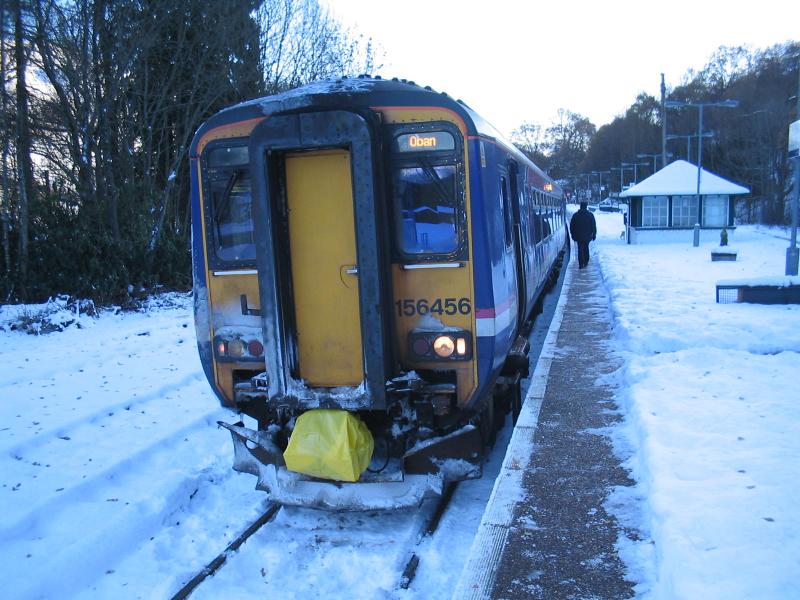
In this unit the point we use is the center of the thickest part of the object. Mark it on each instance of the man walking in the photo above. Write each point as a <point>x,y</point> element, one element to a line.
<point>583,229</point>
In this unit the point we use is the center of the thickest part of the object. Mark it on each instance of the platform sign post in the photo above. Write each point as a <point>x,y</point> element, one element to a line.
<point>792,252</point>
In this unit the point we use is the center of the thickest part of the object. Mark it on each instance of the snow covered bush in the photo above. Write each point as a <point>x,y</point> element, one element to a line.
<point>151,302</point>
<point>63,311</point>
<point>56,314</point>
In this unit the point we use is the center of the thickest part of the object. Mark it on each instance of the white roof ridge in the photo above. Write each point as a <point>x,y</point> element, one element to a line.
<point>679,178</point>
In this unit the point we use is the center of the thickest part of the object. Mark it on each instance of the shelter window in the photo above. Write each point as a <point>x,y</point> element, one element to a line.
<point>655,211</point>
<point>684,211</point>
<point>715,211</point>
<point>427,192</point>
<point>228,188</point>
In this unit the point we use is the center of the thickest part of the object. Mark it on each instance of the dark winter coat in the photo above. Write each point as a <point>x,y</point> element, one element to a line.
<point>582,226</point>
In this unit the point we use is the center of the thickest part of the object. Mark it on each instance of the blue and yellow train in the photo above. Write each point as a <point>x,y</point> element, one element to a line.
<point>376,249</point>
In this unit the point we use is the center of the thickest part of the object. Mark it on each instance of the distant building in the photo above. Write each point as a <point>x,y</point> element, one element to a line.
<point>663,207</point>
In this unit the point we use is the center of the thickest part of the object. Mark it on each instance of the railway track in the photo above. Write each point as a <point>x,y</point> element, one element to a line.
<point>430,524</point>
<point>217,563</point>
<point>426,525</point>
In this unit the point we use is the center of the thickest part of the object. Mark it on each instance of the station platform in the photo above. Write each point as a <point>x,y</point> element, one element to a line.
<point>545,532</point>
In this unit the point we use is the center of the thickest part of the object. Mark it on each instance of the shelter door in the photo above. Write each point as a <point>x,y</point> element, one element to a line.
<point>324,270</point>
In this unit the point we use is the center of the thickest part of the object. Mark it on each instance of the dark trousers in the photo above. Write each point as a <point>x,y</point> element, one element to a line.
<point>583,253</point>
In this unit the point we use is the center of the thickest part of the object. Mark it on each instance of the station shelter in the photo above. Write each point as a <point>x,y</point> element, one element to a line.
<point>664,208</point>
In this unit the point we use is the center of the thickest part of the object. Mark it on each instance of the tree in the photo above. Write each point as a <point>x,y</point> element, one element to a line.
<point>300,42</point>
<point>118,90</point>
<point>23,144</point>
<point>5,190</point>
<point>638,131</point>
<point>528,138</point>
<point>567,140</point>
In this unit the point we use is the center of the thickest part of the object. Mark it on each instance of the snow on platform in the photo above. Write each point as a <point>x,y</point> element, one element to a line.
<point>711,427</point>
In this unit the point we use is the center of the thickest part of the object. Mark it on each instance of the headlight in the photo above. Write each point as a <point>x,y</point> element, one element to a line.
<point>238,347</point>
<point>439,346</point>
<point>235,349</point>
<point>444,346</point>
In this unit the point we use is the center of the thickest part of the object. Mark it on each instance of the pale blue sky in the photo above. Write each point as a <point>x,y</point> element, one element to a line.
<point>517,61</point>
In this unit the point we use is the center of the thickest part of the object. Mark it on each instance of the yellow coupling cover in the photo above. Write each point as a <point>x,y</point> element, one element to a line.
<point>331,444</point>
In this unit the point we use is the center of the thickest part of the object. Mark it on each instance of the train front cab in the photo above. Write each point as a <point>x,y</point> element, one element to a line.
<point>352,275</point>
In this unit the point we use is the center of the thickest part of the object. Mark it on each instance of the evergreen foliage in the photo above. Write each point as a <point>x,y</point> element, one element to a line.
<point>95,183</point>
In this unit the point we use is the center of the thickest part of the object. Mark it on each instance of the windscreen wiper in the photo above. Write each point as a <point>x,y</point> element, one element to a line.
<point>433,176</point>
<point>225,205</point>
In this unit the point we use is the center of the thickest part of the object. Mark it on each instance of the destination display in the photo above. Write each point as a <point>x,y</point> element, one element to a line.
<point>421,142</point>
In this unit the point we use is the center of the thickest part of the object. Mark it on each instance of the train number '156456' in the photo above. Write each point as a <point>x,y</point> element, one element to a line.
<point>409,307</point>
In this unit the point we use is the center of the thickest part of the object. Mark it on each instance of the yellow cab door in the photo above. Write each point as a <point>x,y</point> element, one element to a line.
<point>324,270</point>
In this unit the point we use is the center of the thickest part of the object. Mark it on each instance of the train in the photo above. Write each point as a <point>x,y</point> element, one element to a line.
<point>371,249</point>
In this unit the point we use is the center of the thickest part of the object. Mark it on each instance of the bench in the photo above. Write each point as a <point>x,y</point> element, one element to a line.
<point>721,254</point>
<point>774,290</point>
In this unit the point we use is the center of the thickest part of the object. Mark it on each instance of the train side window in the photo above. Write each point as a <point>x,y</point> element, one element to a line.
<point>546,222</point>
<point>545,218</point>
<point>536,226</point>
<point>529,212</point>
<point>229,203</point>
<point>506,206</point>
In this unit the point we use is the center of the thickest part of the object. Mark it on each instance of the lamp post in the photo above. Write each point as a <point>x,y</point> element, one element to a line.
<point>688,139</point>
<point>635,173</point>
<point>621,170</point>
<point>688,143</point>
<point>663,125</point>
<point>700,106</point>
<point>793,252</point>
<point>588,184</point>
<point>600,181</point>
<point>654,157</point>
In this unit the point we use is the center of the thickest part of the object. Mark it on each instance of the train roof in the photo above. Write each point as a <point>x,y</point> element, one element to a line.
<point>363,91</point>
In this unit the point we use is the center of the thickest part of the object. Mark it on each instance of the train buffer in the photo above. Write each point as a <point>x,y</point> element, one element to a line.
<point>545,532</point>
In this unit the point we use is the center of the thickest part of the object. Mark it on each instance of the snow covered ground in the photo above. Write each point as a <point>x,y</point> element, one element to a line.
<point>115,481</point>
<point>712,427</point>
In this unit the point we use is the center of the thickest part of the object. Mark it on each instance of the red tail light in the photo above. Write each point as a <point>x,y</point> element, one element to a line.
<point>255,348</point>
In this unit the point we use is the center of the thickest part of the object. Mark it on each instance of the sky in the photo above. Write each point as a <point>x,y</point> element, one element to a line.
<point>517,61</point>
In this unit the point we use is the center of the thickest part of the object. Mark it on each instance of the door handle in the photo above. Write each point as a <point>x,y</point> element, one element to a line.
<point>246,310</point>
<point>352,270</point>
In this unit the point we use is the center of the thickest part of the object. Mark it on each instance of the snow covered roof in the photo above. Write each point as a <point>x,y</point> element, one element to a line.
<point>680,178</point>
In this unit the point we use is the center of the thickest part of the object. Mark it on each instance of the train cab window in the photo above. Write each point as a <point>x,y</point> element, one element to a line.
<point>426,201</point>
<point>228,187</point>
<point>427,193</point>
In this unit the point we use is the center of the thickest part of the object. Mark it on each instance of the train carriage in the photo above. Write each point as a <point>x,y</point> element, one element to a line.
<point>369,248</point>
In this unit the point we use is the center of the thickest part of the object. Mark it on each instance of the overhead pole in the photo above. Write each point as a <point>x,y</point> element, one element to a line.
<point>699,106</point>
<point>655,159</point>
<point>792,252</point>
<point>663,124</point>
